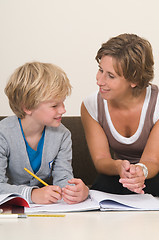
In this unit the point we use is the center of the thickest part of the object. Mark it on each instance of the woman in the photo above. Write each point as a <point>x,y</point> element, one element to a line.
<point>123,116</point>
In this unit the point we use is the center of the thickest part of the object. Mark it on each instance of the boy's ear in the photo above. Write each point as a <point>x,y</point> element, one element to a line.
<point>28,112</point>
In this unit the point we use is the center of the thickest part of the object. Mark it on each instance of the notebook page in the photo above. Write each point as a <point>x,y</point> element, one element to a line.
<point>61,206</point>
<point>138,201</point>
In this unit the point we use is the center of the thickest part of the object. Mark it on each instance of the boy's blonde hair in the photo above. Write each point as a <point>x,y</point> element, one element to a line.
<point>133,58</point>
<point>36,82</point>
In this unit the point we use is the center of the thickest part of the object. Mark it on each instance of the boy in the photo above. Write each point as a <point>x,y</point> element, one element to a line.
<point>35,137</point>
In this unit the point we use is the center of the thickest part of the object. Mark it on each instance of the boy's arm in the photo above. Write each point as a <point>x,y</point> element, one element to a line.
<point>62,167</point>
<point>5,186</point>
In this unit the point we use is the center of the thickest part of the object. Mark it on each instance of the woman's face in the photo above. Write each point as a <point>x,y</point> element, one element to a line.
<point>111,85</point>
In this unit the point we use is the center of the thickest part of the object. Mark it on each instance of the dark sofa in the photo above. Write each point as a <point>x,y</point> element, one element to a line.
<point>82,164</point>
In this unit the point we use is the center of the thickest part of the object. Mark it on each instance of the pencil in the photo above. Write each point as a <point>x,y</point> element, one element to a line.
<point>45,215</point>
<point>8,215</point>
<point>39,179</point>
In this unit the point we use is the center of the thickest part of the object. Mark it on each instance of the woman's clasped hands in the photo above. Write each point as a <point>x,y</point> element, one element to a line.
<point>132,177</point>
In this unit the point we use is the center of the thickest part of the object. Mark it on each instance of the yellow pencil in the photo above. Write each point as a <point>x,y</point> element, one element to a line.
<point>40,180</point>
<point>45,215</point>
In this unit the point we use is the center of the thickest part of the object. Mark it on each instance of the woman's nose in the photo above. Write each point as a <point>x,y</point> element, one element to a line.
<point>100,80</point>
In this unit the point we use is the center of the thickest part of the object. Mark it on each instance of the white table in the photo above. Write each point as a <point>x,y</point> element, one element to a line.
<point>84,226</point>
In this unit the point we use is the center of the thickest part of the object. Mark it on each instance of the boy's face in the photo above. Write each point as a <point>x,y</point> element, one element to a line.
<point>48,113</point>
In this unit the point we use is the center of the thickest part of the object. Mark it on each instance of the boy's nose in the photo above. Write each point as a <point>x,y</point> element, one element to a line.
<point>62,109</point>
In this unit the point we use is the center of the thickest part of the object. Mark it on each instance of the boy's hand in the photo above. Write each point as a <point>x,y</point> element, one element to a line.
<point>76,193</point>
<point>46,195</point>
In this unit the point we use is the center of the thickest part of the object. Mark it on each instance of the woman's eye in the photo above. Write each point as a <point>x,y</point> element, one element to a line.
<point>100,70</point>
<point>111,76</point>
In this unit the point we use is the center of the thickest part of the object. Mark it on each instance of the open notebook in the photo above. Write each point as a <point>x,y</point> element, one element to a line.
<point>97,201</point>
<point>104,202</point>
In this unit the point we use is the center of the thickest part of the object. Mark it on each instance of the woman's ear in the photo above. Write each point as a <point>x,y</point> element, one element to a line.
<point>133,85</point>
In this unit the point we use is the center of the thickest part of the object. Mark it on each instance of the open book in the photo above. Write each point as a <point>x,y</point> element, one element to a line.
<point>104,202</point>
<point>96,201</point>
<point>13,199</point>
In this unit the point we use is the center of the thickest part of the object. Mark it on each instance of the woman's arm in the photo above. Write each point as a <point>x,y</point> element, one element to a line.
<point>98,145</point>
<point>150,156</point>
<point>135,178</point>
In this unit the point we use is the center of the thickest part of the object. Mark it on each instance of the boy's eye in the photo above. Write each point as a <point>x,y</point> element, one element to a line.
<point>54,106</point>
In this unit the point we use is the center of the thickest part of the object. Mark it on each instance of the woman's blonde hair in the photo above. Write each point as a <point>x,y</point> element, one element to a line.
<point>133,59</point>
<point>34,83</point>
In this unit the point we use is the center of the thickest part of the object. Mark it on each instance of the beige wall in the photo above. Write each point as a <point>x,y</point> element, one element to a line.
<point>69,33</point>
